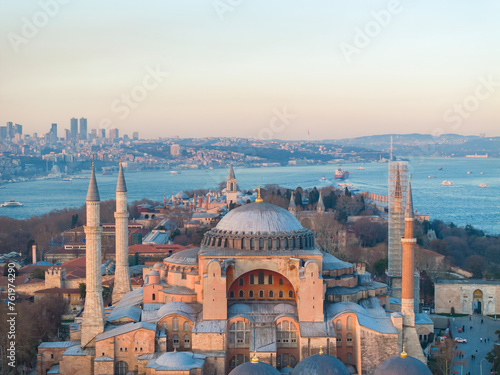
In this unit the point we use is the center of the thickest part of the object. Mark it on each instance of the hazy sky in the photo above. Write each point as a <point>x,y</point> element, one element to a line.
<point>252,68</point>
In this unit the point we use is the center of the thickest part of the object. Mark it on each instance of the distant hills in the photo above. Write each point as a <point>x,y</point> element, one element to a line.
<point>453,145</point>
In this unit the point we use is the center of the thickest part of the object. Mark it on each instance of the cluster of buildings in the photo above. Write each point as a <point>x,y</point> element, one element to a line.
<point>257,297</point>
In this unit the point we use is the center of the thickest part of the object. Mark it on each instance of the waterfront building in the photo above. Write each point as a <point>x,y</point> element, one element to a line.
<point>256,287</point>
<point>175,149</point>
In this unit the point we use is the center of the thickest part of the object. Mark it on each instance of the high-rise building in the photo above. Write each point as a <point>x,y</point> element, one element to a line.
<point>53,133</point>
<point>3,132</point>
<point>18,129</point>
<point>83,128</point>
<point>114,133</point>
<point>74,128</point>
<point>103,133</point>
<point>10,130</point>
<point>135,135</point>
<point>67,134</point>
<point>93,133</point>
<point>175,149</point>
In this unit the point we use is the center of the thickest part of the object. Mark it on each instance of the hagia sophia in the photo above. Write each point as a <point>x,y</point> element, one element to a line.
<point>257,297</point>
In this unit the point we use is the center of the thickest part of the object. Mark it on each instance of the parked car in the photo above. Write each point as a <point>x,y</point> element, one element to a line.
<point>460,339</point>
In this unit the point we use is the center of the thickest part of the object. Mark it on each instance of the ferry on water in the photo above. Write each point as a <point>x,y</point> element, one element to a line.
<point>11,203</point>
<point>446,183</point>
<point>341,175</point>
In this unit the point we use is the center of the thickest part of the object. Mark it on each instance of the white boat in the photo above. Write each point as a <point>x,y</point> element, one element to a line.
<point>483,185</point>
<point>11,203</point>
<point>360,168</point>
<point>446,183</point>
<point>469,172</point>
<point>67,179</point>
<point>323,178</point>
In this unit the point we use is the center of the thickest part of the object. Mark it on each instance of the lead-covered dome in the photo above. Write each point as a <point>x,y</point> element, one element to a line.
<point>259,226</point>
<point>254,368</point>
<point>321,364</point>
<point>402,364</point>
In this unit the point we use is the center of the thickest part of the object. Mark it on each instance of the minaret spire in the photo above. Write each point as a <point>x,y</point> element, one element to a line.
<point>291,206</point>
<point>231,187</point>
<point>93,315</point>
<point>122,276</point>
<point>320,207</point>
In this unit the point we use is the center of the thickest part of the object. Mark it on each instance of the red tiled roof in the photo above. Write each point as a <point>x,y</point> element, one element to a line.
<point>27,270</point>
<point>58,291</point>
<point>156,249</point>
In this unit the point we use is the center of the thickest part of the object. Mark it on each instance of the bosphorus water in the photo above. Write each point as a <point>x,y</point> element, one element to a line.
<point>464,202</point>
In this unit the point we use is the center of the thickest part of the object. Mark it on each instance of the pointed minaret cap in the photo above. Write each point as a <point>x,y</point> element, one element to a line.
<point>93,192</point>
<point>409,202</point>
<point>321,206</point>
<point>121,186</point>
<point>231,173</point>
<point>291,205</point>
<point>259,198</point>
<point>321,350</point>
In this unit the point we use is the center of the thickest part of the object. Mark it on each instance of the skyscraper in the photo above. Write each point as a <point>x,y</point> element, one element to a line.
<point>18,129</point>
<point>135,135</point>
<point>113,133</point>
<point>74,128</point>
<point>53,133</point>
<point>10,130</point>
<point>83,128</point>
<point>3,132</point>
<point>67,134</point>
<point>103,133</point>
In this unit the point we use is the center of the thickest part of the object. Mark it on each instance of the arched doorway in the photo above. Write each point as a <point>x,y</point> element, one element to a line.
<point>477,300</point>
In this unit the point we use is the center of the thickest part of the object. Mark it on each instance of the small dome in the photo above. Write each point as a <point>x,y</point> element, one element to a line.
<point>402,364</point>
<point>254,368</point>
<point>178,360</point>
<point>321,364</point>
<point>175,307</point>
<point>158,265</point>
<point>181,195</point>
<point>153,273</point>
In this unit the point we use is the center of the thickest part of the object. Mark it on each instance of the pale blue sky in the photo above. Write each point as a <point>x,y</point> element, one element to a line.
<point>228,74</point>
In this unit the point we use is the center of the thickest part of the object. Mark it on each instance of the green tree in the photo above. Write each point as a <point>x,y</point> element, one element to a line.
<point>380,266</point>
<point>38,273</point>
<point>82,289</point>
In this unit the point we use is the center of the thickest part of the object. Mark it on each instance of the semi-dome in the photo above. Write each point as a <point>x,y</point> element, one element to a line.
<point>320,364</point>
<point>402,364</point>
<point>175,307</point>
<point>254,368</point>
<point>177,361</point>
<point>259,226</point>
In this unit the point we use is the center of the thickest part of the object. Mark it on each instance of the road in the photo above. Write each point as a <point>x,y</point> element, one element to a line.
<point>474,345</point>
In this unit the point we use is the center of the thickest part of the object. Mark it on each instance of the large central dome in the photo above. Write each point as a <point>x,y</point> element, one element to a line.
<point>259,226</point>
<point>259,217</point>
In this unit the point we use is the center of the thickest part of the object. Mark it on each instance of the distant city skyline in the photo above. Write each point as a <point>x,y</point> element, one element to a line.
<point>286,70</point>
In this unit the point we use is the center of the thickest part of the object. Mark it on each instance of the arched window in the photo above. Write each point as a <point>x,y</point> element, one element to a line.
<point>231,188</point>
<point>186,327</point>
<point>241,294</point>
<point>348,339</point>
<point>271,294</point>
<point>285,360</point>
<point>270,244</point>
<point>261,244</point>
<point>348,359</point>
<point>252,244</point>
<point>286,243</point>
<point>261,294</point>
<point>250,294</point>
<point>349,322</point>
<point>121,368</point>
<point>280,294</point>
<point>278,243</point>
<point>238,360</point>
<point>338,325</point>
<point>286,335</point>
<point>239,335</point>
<point>281,281</point>
<point>153,297</point>
<point>339,340</point>
<point>252,279</point>
<point>187,342</point>
<point>261,277</point>
<point>290,293</point>
<point>241,281</point>
<point>270,279</point>
<point>219,242</point>
<point>231,294</point>
<point>173,299</point>
<point>175,324</point>
<point>176,341</point>
<point>242,243</point>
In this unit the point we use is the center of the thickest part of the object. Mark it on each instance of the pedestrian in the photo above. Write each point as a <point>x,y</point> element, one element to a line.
<point>481,339</point>
<point>463,328</point>
<point>481,321</point>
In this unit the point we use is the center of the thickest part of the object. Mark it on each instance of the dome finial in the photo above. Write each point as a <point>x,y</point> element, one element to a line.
<point>259,198</point>
<point>403,353</point>
<point>321,350</point>
<point>254,358</point>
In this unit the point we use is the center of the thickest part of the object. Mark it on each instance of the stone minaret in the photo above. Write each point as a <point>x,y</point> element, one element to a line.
<point>291,206</point>
<point>93,315</point>
<point>320,207</point>
<point>410,336</point>
<point>408,284</point>
<point>122,275</point>
<point>231,188</point>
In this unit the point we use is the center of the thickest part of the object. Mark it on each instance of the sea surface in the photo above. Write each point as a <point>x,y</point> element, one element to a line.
<point>464,202</point>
